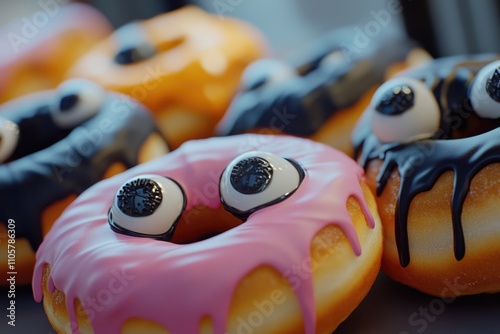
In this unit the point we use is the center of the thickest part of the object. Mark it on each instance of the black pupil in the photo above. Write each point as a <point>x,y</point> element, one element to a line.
<point>493,86</point>
<point>68,102</point>
<point>139,198</point>
<point>256,83</point>
<point>133,54</point>
<point>251,175</point>
<point>396,101</point>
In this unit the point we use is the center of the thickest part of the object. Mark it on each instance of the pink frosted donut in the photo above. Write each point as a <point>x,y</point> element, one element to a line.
<point>304,256</point>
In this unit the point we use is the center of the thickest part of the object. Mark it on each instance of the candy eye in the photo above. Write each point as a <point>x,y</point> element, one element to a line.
<point>257,179</point>
<point>404,110</point>
<point>265,72</point>
<point>77,100</point>
<point>132,44</point>
<point>9,136</point>
<point>133,54</point>
<point>484,93</point>
<point>147,206</point>
<point>334,60</point>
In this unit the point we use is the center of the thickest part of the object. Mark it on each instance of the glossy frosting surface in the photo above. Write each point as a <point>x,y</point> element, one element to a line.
<point>421,162</point>
<point>329,79</point>
<point>176,285</point>
<point>50,163</point>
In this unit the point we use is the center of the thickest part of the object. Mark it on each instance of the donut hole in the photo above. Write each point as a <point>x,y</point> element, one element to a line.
<point>201,223</point>
<point>469,125</point>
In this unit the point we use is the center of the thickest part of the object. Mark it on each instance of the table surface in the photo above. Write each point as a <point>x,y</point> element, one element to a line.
<point>389,308</point>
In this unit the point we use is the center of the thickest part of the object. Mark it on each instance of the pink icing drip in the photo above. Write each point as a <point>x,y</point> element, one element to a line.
<point>176,285</point>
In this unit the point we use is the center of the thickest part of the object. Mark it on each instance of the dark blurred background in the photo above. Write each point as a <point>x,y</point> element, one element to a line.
<point>443,27</point>
<point>447,27</point>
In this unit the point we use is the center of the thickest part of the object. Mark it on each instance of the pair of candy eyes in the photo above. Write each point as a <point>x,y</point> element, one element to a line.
<point>404,109</point>
<point>77,100</point>
<point>151,205</point>
<point>267,72</point>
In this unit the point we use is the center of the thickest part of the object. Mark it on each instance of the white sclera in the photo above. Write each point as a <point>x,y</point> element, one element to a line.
<point>165,215</point>
<point>9,132</point>
<point>334,60</point>
<point>420,121</point>
<point>481,101</point>
<point>91,97</point>
<point>285,179</point>
<point>273,70</point>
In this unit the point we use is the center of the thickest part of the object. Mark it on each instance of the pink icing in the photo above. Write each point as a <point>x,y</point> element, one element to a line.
<point>176,285</point>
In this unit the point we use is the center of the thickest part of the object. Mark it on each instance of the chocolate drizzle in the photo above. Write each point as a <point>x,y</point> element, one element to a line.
<point>301,105</point>
<point>70,165</point>
<point>422,162</point>
<point>37,129</point>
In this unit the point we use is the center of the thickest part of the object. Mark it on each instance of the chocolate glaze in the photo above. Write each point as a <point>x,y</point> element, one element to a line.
<point>422,162</point>
<point>37,130</point>
<point>77,159</point>
<point>301,105</point>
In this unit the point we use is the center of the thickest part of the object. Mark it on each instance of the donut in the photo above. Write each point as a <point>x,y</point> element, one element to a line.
<point>184,65</point>
<point>255,236</point>
<point>56,143</point>
<point>39,49</point>
<point>428,143</point>
<point>322,97</point>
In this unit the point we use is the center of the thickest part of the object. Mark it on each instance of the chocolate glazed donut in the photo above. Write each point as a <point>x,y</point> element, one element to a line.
<point>56,144</point>
<point>448,114</point>
<point>278,97</point>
